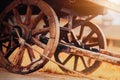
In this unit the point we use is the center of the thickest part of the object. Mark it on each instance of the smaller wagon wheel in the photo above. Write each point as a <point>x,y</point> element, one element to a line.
<point>88,35</point>
<point>36,23</point>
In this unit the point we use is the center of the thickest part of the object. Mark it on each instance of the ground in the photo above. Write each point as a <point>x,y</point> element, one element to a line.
<point>5,75</point>
<point>105,72</point>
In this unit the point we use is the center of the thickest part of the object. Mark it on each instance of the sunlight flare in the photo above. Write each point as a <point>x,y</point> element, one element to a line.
<point>115,1</point>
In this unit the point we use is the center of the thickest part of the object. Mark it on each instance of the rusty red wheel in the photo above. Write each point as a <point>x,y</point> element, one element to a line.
<point>36,23</point>
<point>88,35</point>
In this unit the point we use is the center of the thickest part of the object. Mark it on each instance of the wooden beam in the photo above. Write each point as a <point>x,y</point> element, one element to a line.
<point>102,55</point>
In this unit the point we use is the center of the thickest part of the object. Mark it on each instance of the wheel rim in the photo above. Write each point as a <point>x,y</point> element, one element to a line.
<point>39,29</point>
<point>78,61</point>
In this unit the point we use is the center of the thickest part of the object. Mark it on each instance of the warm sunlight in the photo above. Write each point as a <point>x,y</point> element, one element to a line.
<point>115,1</point>
<point>114,15</point>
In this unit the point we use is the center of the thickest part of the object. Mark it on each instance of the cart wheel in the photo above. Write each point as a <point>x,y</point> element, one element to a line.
<point>36,23</point>
<point>87,35</point>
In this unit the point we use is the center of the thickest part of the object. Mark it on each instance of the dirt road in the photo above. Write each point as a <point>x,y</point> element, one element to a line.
<point>5,75</point>
<point>52,72</point>
<point>106,72</point>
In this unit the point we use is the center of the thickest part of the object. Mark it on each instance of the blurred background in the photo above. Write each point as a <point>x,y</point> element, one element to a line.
<point>110,24</point>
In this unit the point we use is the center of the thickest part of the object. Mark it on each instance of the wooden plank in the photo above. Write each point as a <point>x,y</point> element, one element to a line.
<point>107,4</point>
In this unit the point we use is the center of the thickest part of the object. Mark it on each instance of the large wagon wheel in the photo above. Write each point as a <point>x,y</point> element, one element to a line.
<point>36,23</point>
<point>88,35</point>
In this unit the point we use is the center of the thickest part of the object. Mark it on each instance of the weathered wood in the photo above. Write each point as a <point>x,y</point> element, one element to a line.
<point>100,56</point>
<point>79,7</point>
<point>109,53</point>
<point>23,29</point>
<point>79,74</point>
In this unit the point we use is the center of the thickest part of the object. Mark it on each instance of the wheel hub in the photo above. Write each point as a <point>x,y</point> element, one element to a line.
<point>23,31</point>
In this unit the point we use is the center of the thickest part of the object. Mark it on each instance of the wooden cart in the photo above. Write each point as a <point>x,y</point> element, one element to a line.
<point>27,24</point>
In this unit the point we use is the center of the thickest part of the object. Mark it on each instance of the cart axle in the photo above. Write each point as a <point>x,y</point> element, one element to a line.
<point>100,55</point>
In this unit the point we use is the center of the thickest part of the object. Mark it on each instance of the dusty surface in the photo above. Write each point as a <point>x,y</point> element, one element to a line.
<point>4,75</point>
<point>52,72</point>
<point>105,72</point>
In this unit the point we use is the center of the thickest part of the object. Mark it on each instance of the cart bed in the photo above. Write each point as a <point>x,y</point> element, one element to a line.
<point>80,7</point>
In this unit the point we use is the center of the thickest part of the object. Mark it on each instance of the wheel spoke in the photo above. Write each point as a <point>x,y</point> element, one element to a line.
<point>9,51</point>
<point>12,44</point>
<point>81,32</point>
<point>31,54</point>
<point>67,59</point>
<point>38,43</point>
<point>75,63</point>
<point>66,25</point>
<point>11,20</point>
<point>7,24</point>
<point>17,57</point>
<point>88,37</point>
<point>3,45</point>
<point>83,61</point>
<point>17,16</point>
<point>36,20</point>
<point>21,56</point>
<point>40,31</point>
<point>4,37</point>
<point>28,15</point>
<point>89,61</point>
<point>10,47</point>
